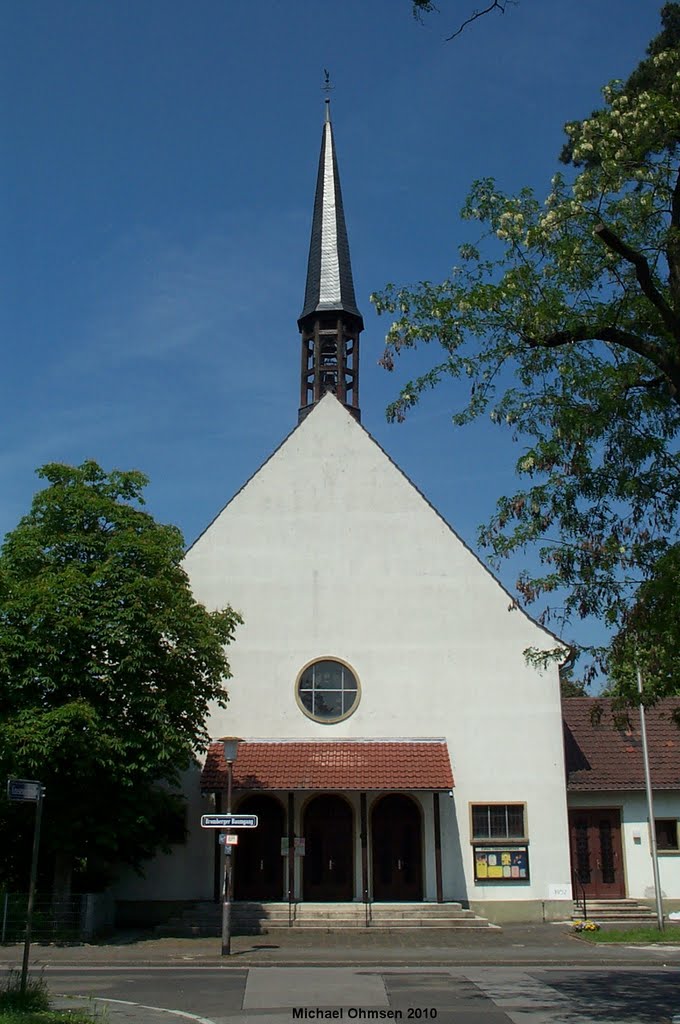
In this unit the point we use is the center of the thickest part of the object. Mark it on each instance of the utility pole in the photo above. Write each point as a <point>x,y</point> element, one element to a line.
<point>650,806</point>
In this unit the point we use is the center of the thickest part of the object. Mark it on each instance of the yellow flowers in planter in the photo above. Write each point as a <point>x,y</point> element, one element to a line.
<point>585,926</point>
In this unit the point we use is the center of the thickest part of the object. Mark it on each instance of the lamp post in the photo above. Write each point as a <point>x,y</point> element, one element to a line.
<point>230,744</point>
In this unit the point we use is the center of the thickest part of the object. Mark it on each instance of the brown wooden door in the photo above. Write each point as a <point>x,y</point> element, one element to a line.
<point>258,864</point>
<point>596,853</point>
<point>328,864</point>
<point>397,849</point>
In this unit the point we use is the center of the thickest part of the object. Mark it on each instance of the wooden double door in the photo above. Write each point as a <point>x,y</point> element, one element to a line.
<point>596,853</point>
<point>396,849</point>
<point>327,867</point>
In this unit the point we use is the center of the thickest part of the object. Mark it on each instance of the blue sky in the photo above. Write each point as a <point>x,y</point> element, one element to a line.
<point>156,197</point>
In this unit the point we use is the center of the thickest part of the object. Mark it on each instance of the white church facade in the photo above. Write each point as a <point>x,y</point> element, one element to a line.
<point>395,744</point>
<point>380,686</point>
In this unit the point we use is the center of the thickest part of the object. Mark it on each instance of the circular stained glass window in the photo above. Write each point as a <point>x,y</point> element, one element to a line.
<point>327,690</point>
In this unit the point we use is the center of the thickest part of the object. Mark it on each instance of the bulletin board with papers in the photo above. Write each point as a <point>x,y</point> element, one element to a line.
<point>501,863</point>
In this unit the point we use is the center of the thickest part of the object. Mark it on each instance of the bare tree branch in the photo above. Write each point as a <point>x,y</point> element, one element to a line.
<point>421,7</point>
<point>498,5</point>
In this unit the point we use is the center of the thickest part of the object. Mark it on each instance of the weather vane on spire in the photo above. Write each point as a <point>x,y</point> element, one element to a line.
<point>327,87</point>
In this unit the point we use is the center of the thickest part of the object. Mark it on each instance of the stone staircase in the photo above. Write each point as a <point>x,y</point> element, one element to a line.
<point>262,918</point>
<point>622,910</point>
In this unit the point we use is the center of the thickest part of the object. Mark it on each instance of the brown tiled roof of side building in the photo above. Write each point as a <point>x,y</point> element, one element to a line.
<point>603,754</point>
<point>337,764</point>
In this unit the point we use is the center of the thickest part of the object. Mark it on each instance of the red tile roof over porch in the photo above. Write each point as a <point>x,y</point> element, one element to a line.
<point>335,764</point>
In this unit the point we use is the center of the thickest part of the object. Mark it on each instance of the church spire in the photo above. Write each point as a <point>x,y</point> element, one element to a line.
<point>330,322</point>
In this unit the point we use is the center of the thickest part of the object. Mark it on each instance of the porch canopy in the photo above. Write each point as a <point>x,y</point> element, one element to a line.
<point>404,764</point>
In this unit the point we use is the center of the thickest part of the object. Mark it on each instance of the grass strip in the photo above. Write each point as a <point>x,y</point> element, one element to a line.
<point>647,934</point>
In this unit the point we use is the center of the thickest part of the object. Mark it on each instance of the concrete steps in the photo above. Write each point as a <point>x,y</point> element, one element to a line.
<point>614,910</point>
<point>262,918</point>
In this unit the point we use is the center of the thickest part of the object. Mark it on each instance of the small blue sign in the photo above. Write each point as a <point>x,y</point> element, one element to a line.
<point>24,789</point>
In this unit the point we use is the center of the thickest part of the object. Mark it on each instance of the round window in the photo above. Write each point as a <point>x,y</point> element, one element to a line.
<point>327,691</point>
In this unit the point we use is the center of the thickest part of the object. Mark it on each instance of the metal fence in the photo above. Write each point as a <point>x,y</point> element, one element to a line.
<point>54,920</point>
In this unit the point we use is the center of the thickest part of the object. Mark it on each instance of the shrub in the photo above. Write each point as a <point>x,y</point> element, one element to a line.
<point>35,996</point>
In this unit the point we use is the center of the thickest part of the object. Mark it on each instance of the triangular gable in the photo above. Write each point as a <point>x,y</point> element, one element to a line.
<point>329,402</point>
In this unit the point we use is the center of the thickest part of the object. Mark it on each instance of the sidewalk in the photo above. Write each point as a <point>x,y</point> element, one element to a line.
<point>540,944</point>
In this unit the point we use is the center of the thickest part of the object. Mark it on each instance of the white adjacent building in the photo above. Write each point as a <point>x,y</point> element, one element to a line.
<point>608,814</point>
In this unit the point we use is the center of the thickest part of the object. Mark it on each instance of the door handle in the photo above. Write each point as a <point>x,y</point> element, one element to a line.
<point>400,864</point>
<point>330,865</point>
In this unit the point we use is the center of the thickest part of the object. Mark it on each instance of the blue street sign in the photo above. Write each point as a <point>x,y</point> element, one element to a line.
<point>23,789</point>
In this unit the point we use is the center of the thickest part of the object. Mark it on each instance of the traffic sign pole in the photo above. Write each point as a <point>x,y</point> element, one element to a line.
<point>31,889</point>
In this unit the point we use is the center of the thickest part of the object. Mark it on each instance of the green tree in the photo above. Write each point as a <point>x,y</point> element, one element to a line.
<point>648,639</point>
<point>565,322</point>
<point>107,669</point>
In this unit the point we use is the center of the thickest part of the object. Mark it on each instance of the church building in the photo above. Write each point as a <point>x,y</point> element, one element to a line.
<point>395,745</point>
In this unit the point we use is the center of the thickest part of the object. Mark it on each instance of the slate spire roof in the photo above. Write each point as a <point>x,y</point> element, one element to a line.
<point>329,271</point>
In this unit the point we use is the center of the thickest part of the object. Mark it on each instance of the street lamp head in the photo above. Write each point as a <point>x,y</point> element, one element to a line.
<point>230,744</point>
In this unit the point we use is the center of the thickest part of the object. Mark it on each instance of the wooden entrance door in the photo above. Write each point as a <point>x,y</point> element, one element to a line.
<point>258,864</point>
<point>397,849</point>
<point>328,868</point>
<point>596,853</point>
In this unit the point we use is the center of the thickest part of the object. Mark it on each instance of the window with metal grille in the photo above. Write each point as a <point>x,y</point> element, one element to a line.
<point>498,821</point>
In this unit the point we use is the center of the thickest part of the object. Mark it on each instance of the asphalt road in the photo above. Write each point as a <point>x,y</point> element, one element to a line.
<point>138,994</point>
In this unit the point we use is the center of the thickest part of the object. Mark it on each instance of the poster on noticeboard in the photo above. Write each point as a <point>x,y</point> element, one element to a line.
<point>501,863</point>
